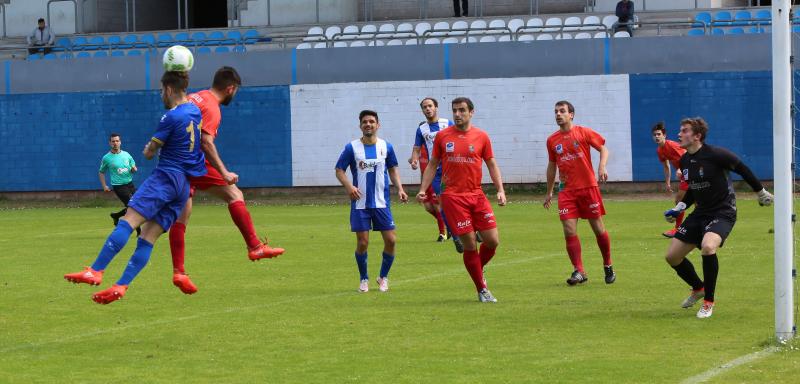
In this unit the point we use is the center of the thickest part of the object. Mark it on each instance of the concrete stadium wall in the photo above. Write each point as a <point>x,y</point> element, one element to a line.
<point>298,108</point>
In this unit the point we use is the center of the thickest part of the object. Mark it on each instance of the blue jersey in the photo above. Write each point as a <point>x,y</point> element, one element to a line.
<point>179,136</point>
<point>369,165</point>
<point>426,133</point>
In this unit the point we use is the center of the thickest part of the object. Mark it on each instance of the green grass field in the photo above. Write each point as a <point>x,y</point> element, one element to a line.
<point>299,318</point>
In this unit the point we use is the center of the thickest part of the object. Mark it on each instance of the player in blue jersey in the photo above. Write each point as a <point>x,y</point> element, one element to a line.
<point>162,196</point>
<point>372,162</point>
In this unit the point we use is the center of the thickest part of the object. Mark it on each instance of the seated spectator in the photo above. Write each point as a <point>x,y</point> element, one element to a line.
<point>41,39</point>
<point>625,16</point>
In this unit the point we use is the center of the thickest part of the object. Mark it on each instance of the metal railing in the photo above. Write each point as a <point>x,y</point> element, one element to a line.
<point>3,9</point>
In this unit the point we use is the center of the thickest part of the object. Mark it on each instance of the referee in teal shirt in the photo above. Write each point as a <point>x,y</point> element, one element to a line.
<point>120,165</point>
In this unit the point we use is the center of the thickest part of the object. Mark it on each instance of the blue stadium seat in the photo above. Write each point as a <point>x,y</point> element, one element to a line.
<point>202,51</point>
<point>763,14</point>
<point>114,41</point>
<point>215,38</point>
<point>146,41</point>
<point>742,18</point>
<point>755,30</point>
<point>235,37</point>
<point>182,38</point>
<point>165,40</point>
<point>62,44</point>
<point>50,56</point>
<point>129,41</point>
<point>35,56</point>
<point>198,38</point>
<point>66,55</point>
<point>83,54</point>
<point>717,31</point>
<point>796,28</point>
<point>696,32</point>
<point>222,49</point>
<point>722,18</point>
<point>736,31</point>
<point>79,43</point>
<point>702,18</point>
<point>101,54</point>
<point>97,42</point>
<point>239,49</point>
<point>117,53</point>
<point>251,36</point>
<point>134,52</point>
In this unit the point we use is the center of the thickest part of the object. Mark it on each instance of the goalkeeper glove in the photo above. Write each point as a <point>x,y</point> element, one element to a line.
<point>672,214</point>
<point>765,198</point>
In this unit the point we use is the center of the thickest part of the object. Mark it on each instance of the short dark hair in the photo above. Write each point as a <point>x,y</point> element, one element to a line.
<point>659,127</point>
<point>113,135</point>
<point>176,80</point>
<point>459,100</point>
<point>698,126</point>
<point>41,20</point>
<point>225,77</point>
<point>570,107</point>
<point>435,103</point>
<point>368,112</point>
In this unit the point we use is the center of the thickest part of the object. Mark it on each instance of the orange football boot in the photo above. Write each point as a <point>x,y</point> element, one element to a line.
<point>88,276</point>
<point>184,283</point>
<point>110,295</point>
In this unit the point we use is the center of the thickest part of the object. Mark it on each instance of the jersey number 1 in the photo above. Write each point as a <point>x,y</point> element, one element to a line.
<point>190,130</point>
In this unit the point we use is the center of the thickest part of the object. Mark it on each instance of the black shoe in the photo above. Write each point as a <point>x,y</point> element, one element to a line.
<point>577,278</point>
<point>457,243</point>
<point>442,238</point>
<point>115,218</point>
<point>478,237</point>
<point>610,275</point>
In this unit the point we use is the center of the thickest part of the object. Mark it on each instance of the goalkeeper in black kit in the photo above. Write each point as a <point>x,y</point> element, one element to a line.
<point>706,169</point>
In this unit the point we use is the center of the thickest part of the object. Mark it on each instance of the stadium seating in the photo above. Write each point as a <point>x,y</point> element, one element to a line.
<point>702,19</point>
<point>696,32</point>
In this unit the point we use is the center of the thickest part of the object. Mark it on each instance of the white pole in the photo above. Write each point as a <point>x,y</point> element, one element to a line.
<point>782,146</point>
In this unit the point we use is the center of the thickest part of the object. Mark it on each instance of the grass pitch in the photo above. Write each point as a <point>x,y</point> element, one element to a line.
<point>298,318</point>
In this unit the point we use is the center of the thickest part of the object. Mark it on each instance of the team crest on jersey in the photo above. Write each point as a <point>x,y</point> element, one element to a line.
<point>450,146</point>
<point>575,144</point>
<point>686,174</point>
<point>471,149</point>
<point>559,149</point>
<point>700,171</point>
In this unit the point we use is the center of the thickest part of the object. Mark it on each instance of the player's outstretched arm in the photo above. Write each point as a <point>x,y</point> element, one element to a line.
<point>497,179</point>
<point>394,176</point>
<point>352,191</point>
<point>551,183</point>
<point>602,174</point>
<point>427,178</point>
<point>210,150</point>
<point>150,149</point>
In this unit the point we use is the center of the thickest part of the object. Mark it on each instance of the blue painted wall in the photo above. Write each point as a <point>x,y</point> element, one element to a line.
<point>55,141</point>
<point>736,105</point>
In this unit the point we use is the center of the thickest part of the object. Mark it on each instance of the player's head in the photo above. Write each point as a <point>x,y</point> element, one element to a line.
<point>368,122</point>
<point>693,130</point>
<point>659,133</point>
<point>463,109</point>
<point>430,108</point>
<point>114,141</point>
<point>173,87</point>
<point>565,112</point>
<point>226,83</point>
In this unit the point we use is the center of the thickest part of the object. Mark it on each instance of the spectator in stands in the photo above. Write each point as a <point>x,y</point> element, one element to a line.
<point>41,39</point>
<point>625,16</point>
<point>464,6</point>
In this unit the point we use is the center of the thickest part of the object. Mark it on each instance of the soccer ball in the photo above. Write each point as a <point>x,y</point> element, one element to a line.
<point>178,58</point>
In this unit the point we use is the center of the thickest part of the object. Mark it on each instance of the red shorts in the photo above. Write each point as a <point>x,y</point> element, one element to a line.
<point>583,203</point>
<point>684,186</point>
<point>431,196</point>
<point>468,213</point>
<point>209,179</point>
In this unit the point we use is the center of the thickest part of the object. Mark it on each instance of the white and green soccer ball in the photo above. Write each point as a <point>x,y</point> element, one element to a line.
<point>178,58</point>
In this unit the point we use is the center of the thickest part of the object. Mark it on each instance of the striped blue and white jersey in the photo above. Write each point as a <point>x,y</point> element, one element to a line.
<point>426,133</point>
<point>369,165</point>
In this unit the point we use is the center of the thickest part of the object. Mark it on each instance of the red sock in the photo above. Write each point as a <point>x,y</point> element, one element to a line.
<point>242,220</point>
<point>486,254</point>
<point>439,222</point>
<point>574,252</point>
<point>177,246</point>
<point>472,260</point>
<point>679,219</point>
<point>604,243</point>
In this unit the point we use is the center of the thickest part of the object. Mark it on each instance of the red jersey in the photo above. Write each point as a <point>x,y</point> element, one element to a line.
<point>671,151</point>
<point>461,155</point>
<point>209,109</point>
<point>571,153</point>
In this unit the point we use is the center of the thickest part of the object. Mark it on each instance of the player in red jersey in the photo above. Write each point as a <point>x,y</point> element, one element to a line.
<point>669,153</point>
<point>461,149</point>
<point>219,181</point>
<point>569,151</point>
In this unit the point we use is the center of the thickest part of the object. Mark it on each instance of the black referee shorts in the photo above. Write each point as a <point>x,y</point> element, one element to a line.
<point>696,226</point>
<point>124,192</point>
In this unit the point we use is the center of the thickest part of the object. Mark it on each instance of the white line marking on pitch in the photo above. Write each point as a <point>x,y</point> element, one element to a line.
<point>705,376</point>
<point>248,308</point>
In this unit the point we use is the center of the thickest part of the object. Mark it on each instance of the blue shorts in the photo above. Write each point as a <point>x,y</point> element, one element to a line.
<point>161,197</point>
<point>437,184</point>
<point>377,219</point>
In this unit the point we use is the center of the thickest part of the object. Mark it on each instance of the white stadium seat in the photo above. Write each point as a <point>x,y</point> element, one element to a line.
<point>303,46</point>
<point>350,31</point>
<point>487,39</point>
<point>459,28</point>
<point>395,42</point>
<point>622,34</point>
<point>554,23</point>
<point>572,23</point>
<point>422,27</point>
<point>515,24</point>
<point>544,37</point>
<point>331,31</point>
<point>591,23</point>
<point>441,28</point>
<point>315,34</point>
<point>583,35</point>
<point>404,30</point>
<point>526,38</point>
<point>450,40</point>
<point>432,40</point>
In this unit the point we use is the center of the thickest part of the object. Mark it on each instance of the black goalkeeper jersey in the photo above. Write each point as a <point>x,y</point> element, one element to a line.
<point>707,172</point>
